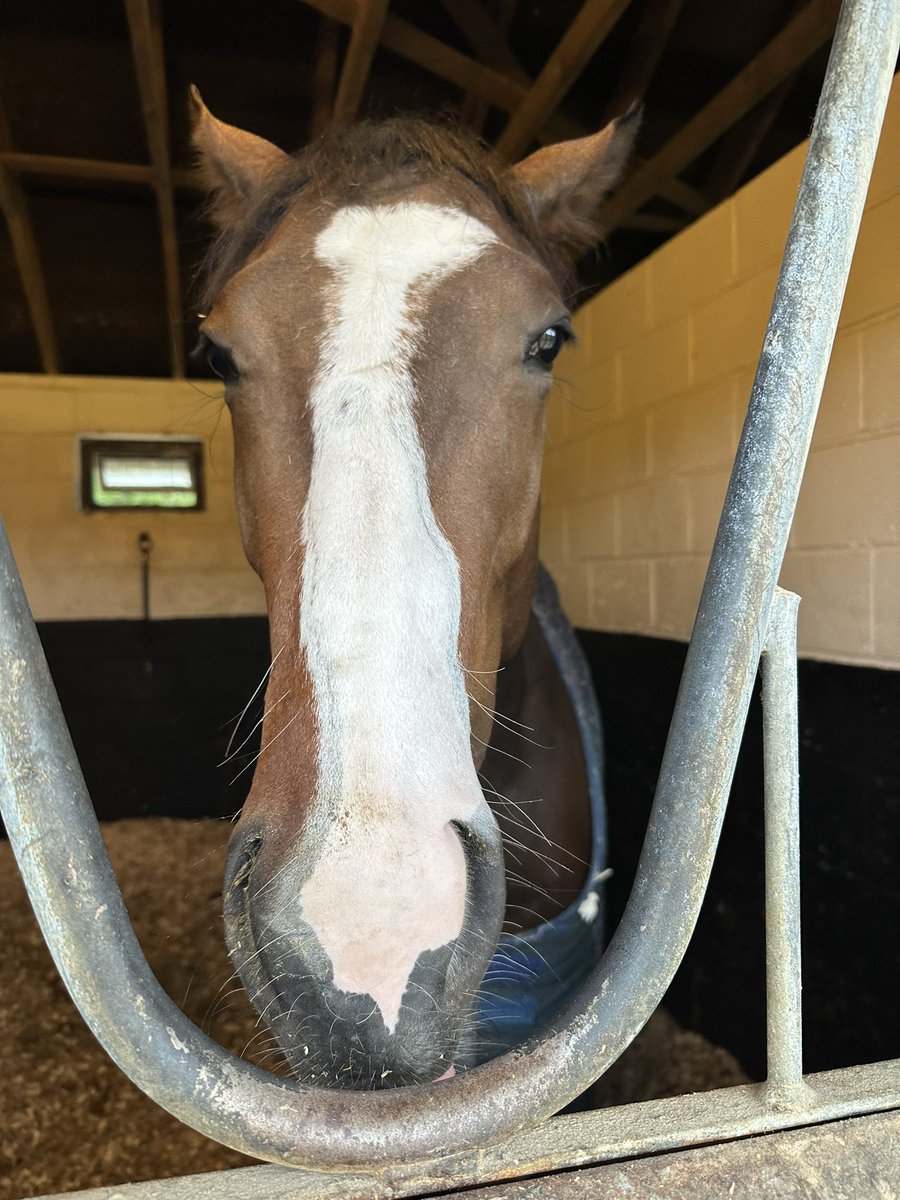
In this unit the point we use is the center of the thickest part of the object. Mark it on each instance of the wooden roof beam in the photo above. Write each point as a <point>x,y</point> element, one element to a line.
<point>796,43</point>
<point>578,45</point>
<point>145,27</point>
<point>487,35</point>
<point>28,263</point>
<point>644,53</point>
<point>92,170</point>
<point>325,73</point>
<point>368,20</point>
<point>742,143</point>
<point>494,87</point>
<point>403,38</point>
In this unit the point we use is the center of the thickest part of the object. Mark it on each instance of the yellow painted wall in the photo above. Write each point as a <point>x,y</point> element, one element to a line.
<point>644,425</point>
<point>79,565</point>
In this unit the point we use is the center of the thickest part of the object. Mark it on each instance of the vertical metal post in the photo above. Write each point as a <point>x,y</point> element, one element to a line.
<point>784,1022</point>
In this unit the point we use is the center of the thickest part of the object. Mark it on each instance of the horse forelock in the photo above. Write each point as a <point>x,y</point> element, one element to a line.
<point>359,161</point>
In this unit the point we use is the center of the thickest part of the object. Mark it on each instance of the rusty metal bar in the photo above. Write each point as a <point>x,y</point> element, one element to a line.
<point>72,887</point>
<point>784,1020</point>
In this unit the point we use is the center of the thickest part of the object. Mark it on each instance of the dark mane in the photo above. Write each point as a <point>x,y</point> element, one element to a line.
<point>357,160</point>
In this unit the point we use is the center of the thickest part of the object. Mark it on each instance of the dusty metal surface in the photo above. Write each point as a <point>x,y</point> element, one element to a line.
<point>849,1160</point>
<point>565,1142</point>
<point>66,869</point>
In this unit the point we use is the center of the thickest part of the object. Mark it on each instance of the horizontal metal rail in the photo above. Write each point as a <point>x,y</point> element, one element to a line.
<point>576,1140</point>
<point>66,869</point>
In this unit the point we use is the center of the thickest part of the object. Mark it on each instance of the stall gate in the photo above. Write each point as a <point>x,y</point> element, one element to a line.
<point>491,1123</point>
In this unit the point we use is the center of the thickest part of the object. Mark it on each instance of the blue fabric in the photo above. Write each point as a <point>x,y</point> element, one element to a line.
<point>533,974</point>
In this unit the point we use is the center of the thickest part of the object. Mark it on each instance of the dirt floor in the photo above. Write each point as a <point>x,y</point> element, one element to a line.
<point>70,1119</point>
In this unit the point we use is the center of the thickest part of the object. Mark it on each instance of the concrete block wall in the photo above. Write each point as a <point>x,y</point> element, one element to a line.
<point>644,423</point>
<point>82,565</point>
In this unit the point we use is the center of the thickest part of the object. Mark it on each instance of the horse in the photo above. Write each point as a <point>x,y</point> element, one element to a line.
<point>384,307</point>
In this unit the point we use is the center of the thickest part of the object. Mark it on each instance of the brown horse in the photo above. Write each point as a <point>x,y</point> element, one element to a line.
<point>384,308</point>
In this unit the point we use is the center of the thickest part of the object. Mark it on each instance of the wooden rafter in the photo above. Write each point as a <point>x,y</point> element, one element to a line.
<point>145,27</point>
<point>482,32</point>
<point>403,38</point>
<point>324,75</point>
<point>736,151</point>
<point>594,21</point>
<point>487,35</point>
<point>644,53</point>
<point>797,42</point>
<point>365,32</point>
<point>28,263</point>
<point>742,143</point>
<point>91,170</point>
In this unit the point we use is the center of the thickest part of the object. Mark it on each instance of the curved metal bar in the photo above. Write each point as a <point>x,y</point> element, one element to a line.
<point>73,890</point>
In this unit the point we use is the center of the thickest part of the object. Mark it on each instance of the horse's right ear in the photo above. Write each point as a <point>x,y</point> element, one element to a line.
<point>567,182</point>
<point>233,163</point>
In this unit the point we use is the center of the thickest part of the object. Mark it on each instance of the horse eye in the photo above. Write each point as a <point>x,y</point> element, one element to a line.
<point>545,348</point>
<point>220,362</point>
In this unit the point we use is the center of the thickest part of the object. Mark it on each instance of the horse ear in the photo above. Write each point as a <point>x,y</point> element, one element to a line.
<point>233,163</point>
<point>567,182</point>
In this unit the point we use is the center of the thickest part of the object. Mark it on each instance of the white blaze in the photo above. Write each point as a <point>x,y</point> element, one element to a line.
<point>379,613</point>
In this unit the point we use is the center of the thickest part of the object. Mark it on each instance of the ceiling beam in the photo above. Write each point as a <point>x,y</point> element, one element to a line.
<point>594,21</point>
<point>645,50</point>
<point>324,79</point>
<point>736,151</point>
<point>145,28</point>
<point>487,34</point>
<point>797,42</point>
<point>92,170</point>
<point>742,144</point>
<point>477,25</point>
<point>28,263</point>
<point>403,38</point>
<point>365,32</point>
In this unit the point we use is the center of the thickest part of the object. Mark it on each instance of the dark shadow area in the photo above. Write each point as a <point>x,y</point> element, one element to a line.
<point>850,849</point>
<point>151,708</point>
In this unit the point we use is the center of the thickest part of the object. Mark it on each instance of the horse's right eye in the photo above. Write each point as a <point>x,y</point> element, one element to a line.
<point>220,362</point>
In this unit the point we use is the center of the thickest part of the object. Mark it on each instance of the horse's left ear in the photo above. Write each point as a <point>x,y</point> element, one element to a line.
<point>234,163</point>
<point>567,182</point>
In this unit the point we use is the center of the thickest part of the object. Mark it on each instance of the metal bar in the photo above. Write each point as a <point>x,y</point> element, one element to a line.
<point>576,1140</point>
<point>72,887</point>
<point>784,1021</point>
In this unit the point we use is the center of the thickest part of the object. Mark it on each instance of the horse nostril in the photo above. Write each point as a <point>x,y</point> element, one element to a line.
<point>241,878</point>
<point>472,841</point>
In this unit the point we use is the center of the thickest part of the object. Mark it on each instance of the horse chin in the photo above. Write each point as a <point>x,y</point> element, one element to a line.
<point>333,1038</point>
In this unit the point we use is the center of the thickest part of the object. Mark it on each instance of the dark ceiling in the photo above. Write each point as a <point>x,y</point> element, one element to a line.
<point>84,286</point>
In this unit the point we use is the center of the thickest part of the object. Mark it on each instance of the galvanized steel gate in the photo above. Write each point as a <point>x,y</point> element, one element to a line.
<point>469,1130</point>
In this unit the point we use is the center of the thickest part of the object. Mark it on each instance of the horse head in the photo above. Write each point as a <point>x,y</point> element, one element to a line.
<point>384,308</point>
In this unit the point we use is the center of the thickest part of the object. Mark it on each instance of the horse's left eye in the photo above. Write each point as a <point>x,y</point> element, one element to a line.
<point>545,348</point>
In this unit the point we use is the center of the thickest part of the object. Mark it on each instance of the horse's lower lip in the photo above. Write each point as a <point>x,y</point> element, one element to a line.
<point>448,1074</point>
